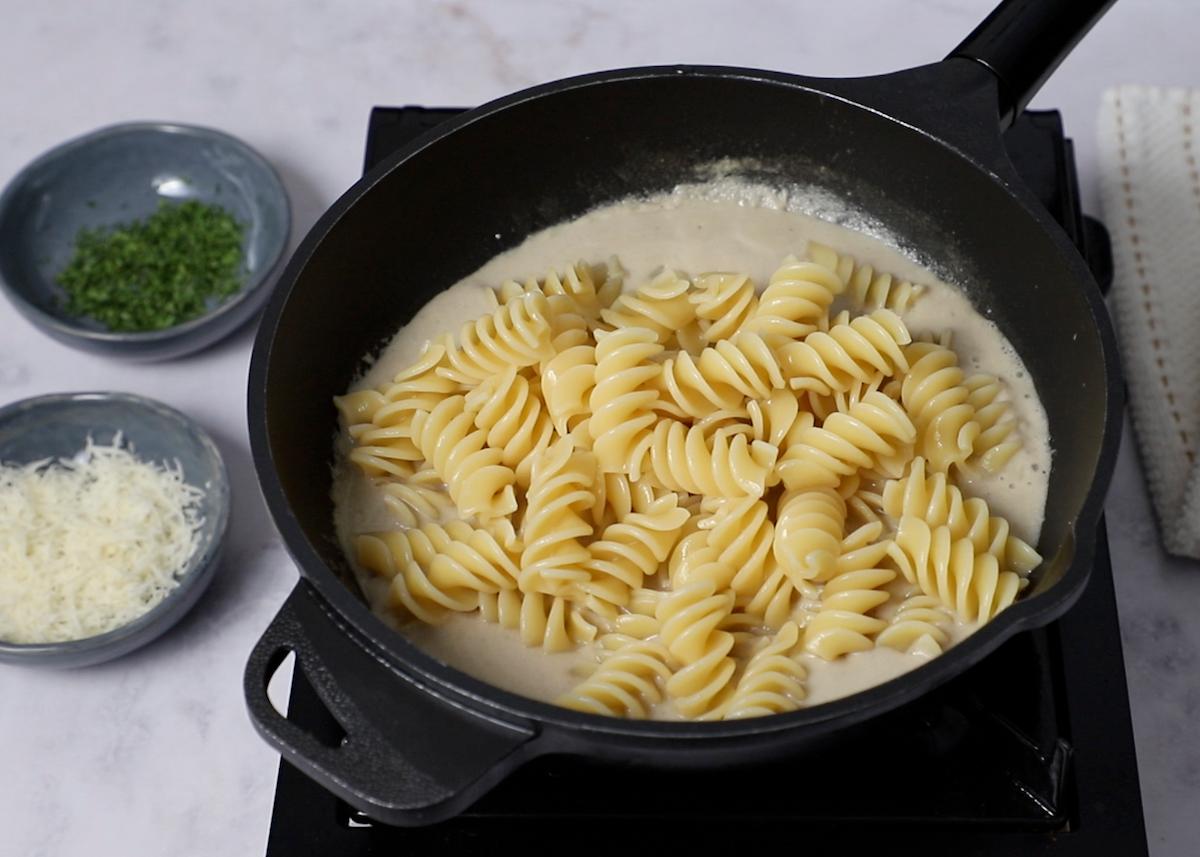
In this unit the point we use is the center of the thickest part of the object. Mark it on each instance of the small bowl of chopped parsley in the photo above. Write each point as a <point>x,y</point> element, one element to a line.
<point>143,240</point>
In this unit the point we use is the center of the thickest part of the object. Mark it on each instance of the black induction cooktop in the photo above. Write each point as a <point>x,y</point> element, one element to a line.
<point>1031,752</point>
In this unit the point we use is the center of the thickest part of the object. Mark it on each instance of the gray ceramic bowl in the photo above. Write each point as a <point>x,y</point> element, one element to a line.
<point>118,174</point>
<point>58,426</point>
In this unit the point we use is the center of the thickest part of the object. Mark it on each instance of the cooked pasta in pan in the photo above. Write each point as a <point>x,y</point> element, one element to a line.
<point>708,494</point>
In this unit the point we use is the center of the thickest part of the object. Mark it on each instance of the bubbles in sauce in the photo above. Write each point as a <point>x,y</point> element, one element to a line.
<point>725,227</point>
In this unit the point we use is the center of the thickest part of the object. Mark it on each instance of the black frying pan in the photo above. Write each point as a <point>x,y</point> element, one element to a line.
<point>919,149</point>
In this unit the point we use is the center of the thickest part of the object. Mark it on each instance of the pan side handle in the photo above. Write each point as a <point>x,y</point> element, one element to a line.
<point>1022,42</point>
<point>398,754</point>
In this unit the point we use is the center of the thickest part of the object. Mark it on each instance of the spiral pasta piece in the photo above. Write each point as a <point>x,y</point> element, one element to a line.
<point>568,326</point>
<point>992,534</point>
<point>616,497</point>
<point>776,420</point>
<point>842,624</point>
<point>933,499</point>
<point>934,394</point>
<point>632,549</point>
<point>740,534</point>
<point>685,392</point>
<point>795,301</point>
<point>690,619</point>
<point>574,291</point>
<point>405,558</point>
<point>473,561</point>
<point>567,383</point>
<point>773,681</point>
<point>919,627</point>
<point>358,408</point>
<point>808,533</point>
<point>515,334</point>
<point>872,434</point>
<point>662,306</point>
<point>610,281</point>
<point>779,598</point>
<point>417,499</point>
<point>929,496</point>
<point>721,378</point>
<point>693,559</point>
<point>627,683</point>
<point>510,410</point>
<point>559,500</point>
<point>745,363</point>
<point>725,465</point>
<point>549,622</point>
<point>622,402</point>
<point>998,440</point>
<point>453,557</point>
<point>724,303</point>
<point>380,421</point>
<point>866,288</point>
<point>842,401</point>
<point>857,351</point>
<point>970,582</point>
<point>480,485</point>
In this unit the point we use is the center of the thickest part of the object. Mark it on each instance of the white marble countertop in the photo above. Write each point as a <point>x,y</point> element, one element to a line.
<point>153,754</point>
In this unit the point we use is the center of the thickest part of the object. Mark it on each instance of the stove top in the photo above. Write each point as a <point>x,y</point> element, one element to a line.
<point>1031,752</point>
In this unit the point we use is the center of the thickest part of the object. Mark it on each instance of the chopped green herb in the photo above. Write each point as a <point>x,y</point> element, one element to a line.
<point>158,272</point>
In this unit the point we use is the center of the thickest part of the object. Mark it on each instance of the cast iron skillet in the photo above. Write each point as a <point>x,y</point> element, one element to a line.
<point>919,149</point>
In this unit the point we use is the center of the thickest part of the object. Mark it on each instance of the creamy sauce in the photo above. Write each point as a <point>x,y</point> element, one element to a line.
<point>735,228</point>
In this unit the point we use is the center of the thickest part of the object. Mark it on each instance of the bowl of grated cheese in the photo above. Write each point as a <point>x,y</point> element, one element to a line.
<point>113,510</point>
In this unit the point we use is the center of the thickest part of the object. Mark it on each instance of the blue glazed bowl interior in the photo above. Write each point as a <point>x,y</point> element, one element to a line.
<point>58,426</point>
<point>123,173</point>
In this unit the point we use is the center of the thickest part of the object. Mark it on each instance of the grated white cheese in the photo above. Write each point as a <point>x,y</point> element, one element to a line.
<point>90,543</point>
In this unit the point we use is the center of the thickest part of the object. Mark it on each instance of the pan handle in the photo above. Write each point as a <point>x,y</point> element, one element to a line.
<point>398,753</point>
<point>1023,41</point>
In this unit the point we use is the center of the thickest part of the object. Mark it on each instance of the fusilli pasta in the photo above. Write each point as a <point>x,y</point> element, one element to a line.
<point>716,487</point>
<point>479,483</point>
<point>872,434</point>
<point>662,306</point>
<point>918,627</point>
<point>627,683</point>
<point>509,408</point>
<point>549,622</point>
<point>934,394</point>
<point>856,351</point>
<point>724,303</point>
<point>970,582</point>
<point>516,334</point>
<point>998,440</point>
<point>621,402</point>
<point>842,625</point>
<point>555,524</point>
<point>795,302</point>
<point>773,681</point>
<point>380,421</point>
<point>866,288</point>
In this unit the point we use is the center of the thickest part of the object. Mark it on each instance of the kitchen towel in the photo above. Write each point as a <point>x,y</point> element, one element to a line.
<point>1150,186</point>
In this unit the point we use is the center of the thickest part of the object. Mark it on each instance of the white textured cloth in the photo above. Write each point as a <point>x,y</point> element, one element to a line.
<point>1150,184</point>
